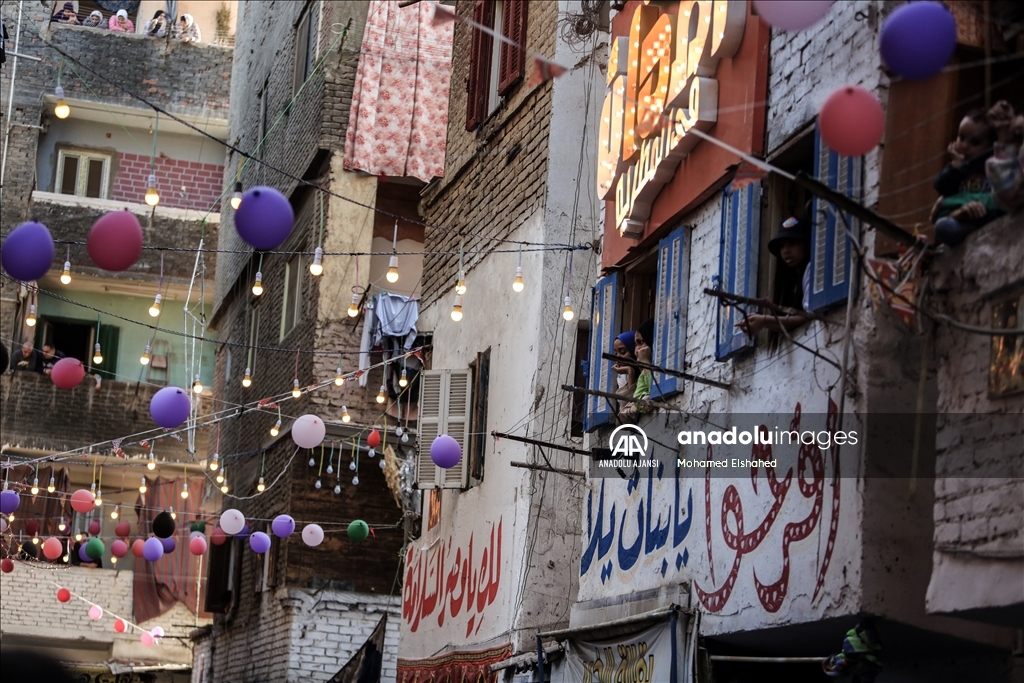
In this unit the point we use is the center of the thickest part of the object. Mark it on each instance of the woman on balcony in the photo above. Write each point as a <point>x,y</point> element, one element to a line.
<point>188,29</point>
<point>121,23</point>
<point>66,15</point>
<point>157,26</point>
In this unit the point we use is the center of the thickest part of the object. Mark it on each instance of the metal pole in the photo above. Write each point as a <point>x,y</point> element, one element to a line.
<point>540,660</point>
<point>545,468</point>
<point>10,100</point>
<point>769,660</point>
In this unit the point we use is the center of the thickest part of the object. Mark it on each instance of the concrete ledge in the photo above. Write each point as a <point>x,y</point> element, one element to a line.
<point>115,205</point>
<point>987,589</point>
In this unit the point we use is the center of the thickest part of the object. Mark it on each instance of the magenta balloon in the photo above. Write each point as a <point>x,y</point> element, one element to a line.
<point>119,548</point>
<point>67,373</point>
<point>169,544</point>
<point>53,548</point>
<point>445,451</point>
<point>197,546</point>
<point>153,549</point>
<point>792,15</point>
<point>9,502</point>
<point>94,528</point>
<point>283,526</point>
<point>851,121</point>
<point>122,529</point>
<point>259,542</point>
<point>27,252</point>
<point>265,218</point>
<point>170,407</point>
<point>918,39</point>
<point>147,639</point>
<point>115,241</point>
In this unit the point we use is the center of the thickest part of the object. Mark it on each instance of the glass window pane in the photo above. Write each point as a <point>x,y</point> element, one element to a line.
<point>69,178</point>
<point>94,183</point>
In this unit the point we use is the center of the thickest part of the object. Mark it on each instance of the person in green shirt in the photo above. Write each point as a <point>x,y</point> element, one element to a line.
<point>643,338</point>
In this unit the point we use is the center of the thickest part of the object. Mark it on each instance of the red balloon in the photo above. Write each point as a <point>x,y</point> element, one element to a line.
<point>53,548</point>
<point>217,536</point>
<point>373,439</point>
<point>137,546</point>
<point>115,241</point>
<point>122,529</point>
<point>67,373</point>
<point>94,528</point>
<point>82,501</point>
<point>119,625</point>
<point>119,548</point>
<point>197,546</point>
<point>31,527</point>
<point>64,595</point>
<point>7,565</point>
<point>851,121</point>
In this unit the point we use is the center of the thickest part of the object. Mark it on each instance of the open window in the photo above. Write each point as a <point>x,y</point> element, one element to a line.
<point>481,373</point>
<point>495,66</point>
<point>305,45</point>
<point>604,327</point>
<point>445,408</point>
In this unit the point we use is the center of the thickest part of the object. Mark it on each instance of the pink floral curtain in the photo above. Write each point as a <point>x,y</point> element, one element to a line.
<point>398,123</point>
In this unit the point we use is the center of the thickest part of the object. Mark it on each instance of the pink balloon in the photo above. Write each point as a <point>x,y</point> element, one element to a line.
<point>119,548</point>
<point>197,546</point>
<point>851,121</point>
<point>115,241</point>
<point>217,536</point>
<point>67,373</point>
<point>82,500</point>
<point>138,547</point>
<point>94,528</point>
<point>53,548</point>
<point>792,15</point>
<point>122,529</point>
<point>147,639</point>
<point>95,612</point>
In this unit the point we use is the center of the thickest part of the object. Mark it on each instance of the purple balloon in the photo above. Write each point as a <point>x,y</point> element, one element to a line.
<point>9,502</point>
<point>27,253</point>
<point>918,39</point>
<point>170,407</point>
<point>259,542</point>
<point>265,218</point>
<point>153,549</point>
<point>82,554</point>
<point>283,526</point>
<point>445,451</point>
<point>169,544</point>
<point>244,533</point>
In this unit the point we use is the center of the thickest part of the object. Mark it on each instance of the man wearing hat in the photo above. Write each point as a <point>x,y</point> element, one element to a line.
<point>792,246</point>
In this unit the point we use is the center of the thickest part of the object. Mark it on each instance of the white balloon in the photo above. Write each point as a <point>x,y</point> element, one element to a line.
<point>308,431</point>
<point>312,535</point>
<point>232,521</point>
<point>157,632</point>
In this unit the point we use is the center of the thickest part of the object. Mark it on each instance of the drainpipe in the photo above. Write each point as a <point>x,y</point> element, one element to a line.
<point>10,99</point>
<point>540,659</point>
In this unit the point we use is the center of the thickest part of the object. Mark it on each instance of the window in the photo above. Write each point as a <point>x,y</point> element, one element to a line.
<point>73,338</point>
<point>604,327</point>
<point>495,67</point>
<point>670,312</point>
<point>579,399</point>
<point>737,265</point>
<point>291,307</point>
<point>83,174</point>
<point>305,43</point>
<point>445,408</point>
<point>830,243</point>
<point>266,567</point>
<point>481,371</point>
<point>222,577</point>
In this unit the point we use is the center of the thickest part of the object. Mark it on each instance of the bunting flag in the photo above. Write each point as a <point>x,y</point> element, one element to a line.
<point>115,446</point>
<point>896,283</point>
<point>544,70</point>
<point>746,173</point>
<point>443,15</point>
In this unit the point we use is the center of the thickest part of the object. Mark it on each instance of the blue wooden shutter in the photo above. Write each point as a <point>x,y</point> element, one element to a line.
<point>670,312</point>
<point>830,244</point>
<point>737,264</point>
<point>603,330</point>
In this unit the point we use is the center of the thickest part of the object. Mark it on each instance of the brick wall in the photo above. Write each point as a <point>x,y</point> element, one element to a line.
<point>202,182</point>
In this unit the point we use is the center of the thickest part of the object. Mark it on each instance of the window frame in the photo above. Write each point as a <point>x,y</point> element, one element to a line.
<point>452,416</point>
<point>480,370</point>
<point>604,323</point>
<point>291,301</point>
<point>670,309</point>
<point>495,67</point>
<point>305,46</point>
<point>82,174</point>
<point>738,277</point>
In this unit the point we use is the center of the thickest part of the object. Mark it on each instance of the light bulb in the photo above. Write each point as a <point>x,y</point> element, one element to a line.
<point>66,558</point>
<point>116,512</point>
<point>296,390</point>
<point>312,461</point>
<point>352,465</point>
<point>51,487</point>
<point>337,489</point>
<point>316,268</point>
<point>567,311</point>
<point>99,499</point>
<point>392,275</point>
<point>260,486</point>
<point>317,485</point>
<point>339,379</point>
<point>355,480</point>
<point>236,198</point>
<point>330,468</point>
<point>113,559</point>
<point>35,540</point>
<point>10,517</point>
<point>224,488</point>
<point>152,197</point>
<point>371,453</point>
<point>154,310</point>
<point>30,319</point>
<point>405,437</point>
<point>35,487</point>
<point>399,431</point>
<point>151,465</point>
<point>276,429</point>
<point>382,396</point>
<point>214,462</point>
<point>142,486</point>
<point>78,536</point>
<point>382,463</point>
<point>247,379</point>
<point>92,489</point>
<point>62,526</point>
<point>345,417</point>
<point>65,277</point>
<point>97,355</point>
<point>403,381</point>
<point>517,284</point>
<point>61,110</point>
<point>257,286</point>
<point>457,308</point>
<point>197,386</point>
<point>220,477</point>
<point>184,490</point>
<point>174,515</point>
<point>353,309</point>
<point>144,359</point>
<point>460,286</point>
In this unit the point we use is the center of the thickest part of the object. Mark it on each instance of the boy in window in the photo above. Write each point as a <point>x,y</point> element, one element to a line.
<point>792,246</point>
<point>966,203</point>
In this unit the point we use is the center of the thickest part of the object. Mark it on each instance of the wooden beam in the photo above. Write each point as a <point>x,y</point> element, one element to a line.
<point>674,373</point>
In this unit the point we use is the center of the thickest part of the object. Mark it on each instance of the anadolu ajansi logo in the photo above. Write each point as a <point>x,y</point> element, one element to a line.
<point>628,441</point>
